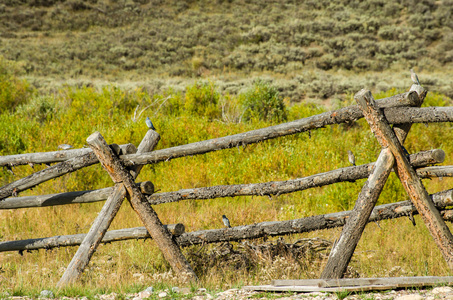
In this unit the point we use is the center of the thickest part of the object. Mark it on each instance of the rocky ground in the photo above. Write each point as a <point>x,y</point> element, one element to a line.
<point>443,292</point>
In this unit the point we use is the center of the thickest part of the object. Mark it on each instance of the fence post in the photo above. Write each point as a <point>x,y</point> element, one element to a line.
<point>104,218</point>
<point>343,249</point>
<point>411,182</point>
<point>146,213</point>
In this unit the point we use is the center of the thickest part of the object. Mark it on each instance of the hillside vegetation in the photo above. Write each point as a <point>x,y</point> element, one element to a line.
<point>311,49</point>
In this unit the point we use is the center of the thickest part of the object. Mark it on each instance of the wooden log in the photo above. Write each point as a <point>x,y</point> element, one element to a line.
<point>382,212</point>
<point>146,187</point>
<point>352,173</point>
<point>146,213</point>
<point>54,171</point>
<point>54,156</point>
<point>365,283</point>
<point>343,249</point>
<point>419,115</point>
<point>350,282</point>
<point>284,187</point>
<point>76,239</point>
<point>344,115</point>
<point>412,184</point>
<point>320,222</point>
<point>108,212</point>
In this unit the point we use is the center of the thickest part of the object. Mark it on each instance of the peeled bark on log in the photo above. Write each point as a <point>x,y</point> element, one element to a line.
<point>382,212</point>
<point>412,184</point>
<point>146,213</point>
<point>76,239</point>
<point>54,156</point>
<point>343,249</point>
<point>254,189</point>
<point>320,222</point>
<point>107,214</point>
<point>54,171</point>
<point>419,115</point>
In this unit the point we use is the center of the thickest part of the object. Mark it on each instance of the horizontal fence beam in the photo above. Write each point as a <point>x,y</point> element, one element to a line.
<point>327,221</point>
<point>57,170</point>
<point>396,115</point>
<point>403,115</point>
<point>352,173</point>
<point>76,239</point>
<point>258,230</point>
<point>51,157</point>
<point>344,115</point>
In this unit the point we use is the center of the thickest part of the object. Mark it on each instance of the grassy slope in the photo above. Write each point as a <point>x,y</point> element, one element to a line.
<point>59,115</point>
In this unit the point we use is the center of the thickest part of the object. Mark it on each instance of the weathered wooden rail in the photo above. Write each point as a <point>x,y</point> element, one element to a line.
<point>276,228</point>
<point>123,163</point>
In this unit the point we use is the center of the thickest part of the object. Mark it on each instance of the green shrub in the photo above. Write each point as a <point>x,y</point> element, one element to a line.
<point>202,99</point>
<point>263,102</point>
<point>13,91</point>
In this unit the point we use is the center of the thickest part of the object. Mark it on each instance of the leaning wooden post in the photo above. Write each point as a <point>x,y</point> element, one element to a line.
<point>411,182</point>
<point>104,218</point>
<point>343,249</point>
<point>148,216</point>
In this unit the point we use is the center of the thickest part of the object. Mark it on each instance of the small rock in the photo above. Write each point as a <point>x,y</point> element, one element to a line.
<point>201,290</point>
<point>144,294</point>
<point>149,289</point>
<point>175,289</point>
<point>162,294</point>
<point>410,297</point>
<point>46,294</point>
<point>230,291</point>
<point>442,290</point>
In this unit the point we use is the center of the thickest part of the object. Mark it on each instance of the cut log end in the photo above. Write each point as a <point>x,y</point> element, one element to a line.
<point>93,137</point>
<point>147,187</point>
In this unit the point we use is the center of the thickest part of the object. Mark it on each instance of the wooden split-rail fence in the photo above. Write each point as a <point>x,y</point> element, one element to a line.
<point>123,164</point>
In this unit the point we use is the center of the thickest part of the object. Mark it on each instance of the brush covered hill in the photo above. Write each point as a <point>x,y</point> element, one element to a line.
<point>309,49</point>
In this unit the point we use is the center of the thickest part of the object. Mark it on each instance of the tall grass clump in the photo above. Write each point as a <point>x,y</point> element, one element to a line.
<point>263,102</point>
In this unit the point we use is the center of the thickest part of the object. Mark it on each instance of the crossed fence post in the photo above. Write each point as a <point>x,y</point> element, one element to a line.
<point>391,141</point>
<point>125,186</point>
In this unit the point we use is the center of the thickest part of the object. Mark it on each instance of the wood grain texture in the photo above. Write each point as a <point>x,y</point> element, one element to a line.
<point>111,207</point>
<point>76,239</point>
<point>382,212</point>
<point>408,177</point>
<point>52,172</point>
<point>146,213</point>
<point>344,247</point>
<point>54,156</point>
